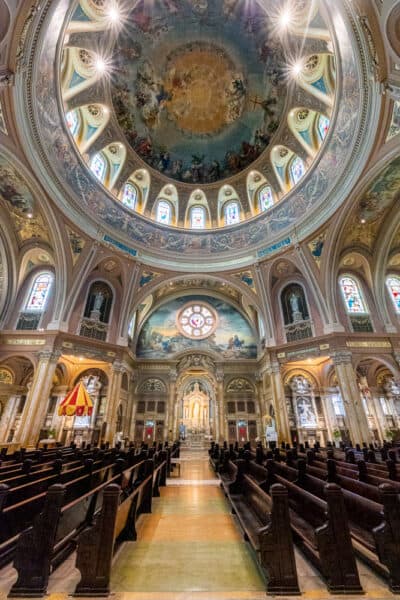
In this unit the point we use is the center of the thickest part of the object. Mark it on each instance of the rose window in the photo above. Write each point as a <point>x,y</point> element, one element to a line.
<point>197,321</point>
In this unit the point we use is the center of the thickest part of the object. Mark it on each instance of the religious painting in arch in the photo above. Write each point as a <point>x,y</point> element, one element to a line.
<point>294,304</point>
<point>215,326</point>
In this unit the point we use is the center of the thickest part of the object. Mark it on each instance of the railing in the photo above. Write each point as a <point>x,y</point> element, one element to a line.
<point>93,329</point>
<point>299,331</point>
<point>28,320</point>
<point>361,323</point>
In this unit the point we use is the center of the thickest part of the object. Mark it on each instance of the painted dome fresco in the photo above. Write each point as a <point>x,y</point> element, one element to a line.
<point>200,88</point>
<point>200,127</point>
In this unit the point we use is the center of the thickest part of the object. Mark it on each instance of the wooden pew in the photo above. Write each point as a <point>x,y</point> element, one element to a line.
<point>66,522</point>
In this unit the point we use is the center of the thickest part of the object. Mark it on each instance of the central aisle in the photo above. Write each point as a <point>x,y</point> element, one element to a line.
<point>189,547</point>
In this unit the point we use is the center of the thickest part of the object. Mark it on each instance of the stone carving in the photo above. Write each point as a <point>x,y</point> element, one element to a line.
<point>196,360</point>
<point>239,385</point>
<point>152,385</point>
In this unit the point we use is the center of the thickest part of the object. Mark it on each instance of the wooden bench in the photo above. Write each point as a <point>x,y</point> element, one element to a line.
<point>264,520</point>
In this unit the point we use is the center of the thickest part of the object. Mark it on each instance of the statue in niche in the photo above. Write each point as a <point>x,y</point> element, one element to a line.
<point>98,301</point>
<point>297,315</point>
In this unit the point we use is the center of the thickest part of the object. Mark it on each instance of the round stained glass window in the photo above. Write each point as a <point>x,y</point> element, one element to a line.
<point>197,320</point>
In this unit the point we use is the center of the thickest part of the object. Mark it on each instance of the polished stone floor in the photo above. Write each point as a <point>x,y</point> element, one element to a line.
<point>190,548</point>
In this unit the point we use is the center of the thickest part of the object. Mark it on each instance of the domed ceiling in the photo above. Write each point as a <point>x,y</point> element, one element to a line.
<point>199,88</point>
<point>249,116</point>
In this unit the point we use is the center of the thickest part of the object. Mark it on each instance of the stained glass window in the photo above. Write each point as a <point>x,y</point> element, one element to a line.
<point>129,195</point>
<point>98,166</point>
<point>393,284</point>
<point>352,295</point>
<point>265,197</point>
<point>232,213</point>
<point>72,120</point>
<point>163,212</point>
<point>297,169</point>
<point>197,321</point>
<point>197,217</point>
<point>40,292</point>
<point>323,126</point>
<point>131,327</point>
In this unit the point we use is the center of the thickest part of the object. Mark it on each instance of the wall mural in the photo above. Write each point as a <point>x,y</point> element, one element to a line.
<point>217,87</point>
<point>232,339</point>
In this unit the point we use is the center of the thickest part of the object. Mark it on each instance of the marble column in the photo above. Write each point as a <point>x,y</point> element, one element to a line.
<point>173,408</point>
<point>279,401</point>
<point>10,403</point>
<point>222,430</point>
<point>37,399</point>
<point>356,418</point>
<point>113,400</point>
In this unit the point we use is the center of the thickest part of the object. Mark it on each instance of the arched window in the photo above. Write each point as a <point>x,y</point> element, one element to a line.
<point>197,217</point>
<point>393,284</point>
<point>164,212</point>
<point>232,213</point>
<point>98,166</point>
<point>129,195</point>
<point>297,169</point>
<point>265,197</point>
<point>39,292</point>
<point>352,296</point>
<point>323,126</point>
<point>72,120</point>
<point>131,326</point>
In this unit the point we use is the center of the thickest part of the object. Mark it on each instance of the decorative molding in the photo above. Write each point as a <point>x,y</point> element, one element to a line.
<point>239,385</point>
<point>196,361</point>
<point>152,385</point>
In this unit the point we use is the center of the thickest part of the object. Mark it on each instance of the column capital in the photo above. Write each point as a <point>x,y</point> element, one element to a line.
<point>117,366</point>
<point>50,355</point>
<point>173,375</point>
<point>219,375</point>
<point>342,357</point>
<point>275,368</point>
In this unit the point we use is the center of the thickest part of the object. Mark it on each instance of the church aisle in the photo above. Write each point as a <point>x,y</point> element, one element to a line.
<point>189,547</point>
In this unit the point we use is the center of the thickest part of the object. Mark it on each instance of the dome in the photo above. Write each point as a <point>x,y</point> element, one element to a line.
<point>201,129</point>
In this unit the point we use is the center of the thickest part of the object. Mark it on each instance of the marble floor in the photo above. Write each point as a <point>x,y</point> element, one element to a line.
<point>190,548</point>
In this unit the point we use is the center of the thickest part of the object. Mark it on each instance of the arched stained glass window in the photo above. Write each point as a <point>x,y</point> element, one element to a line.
<point>352,295</point>
<point>39,292</point>
<point>265,197</point>
<point>72,120</point>
<point>297,170</point>
<point>393,284</point>
<point>131,327</point>
<point>129,195</point>
<point>232,213</point>
<point>98,166</point>
<point>323,126</point>
<point>163,212</point>
<point>197,217</point>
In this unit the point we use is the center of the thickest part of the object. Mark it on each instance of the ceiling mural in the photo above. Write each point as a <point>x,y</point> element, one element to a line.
<point>198,97</point>
<point>170,330</point>
<point>371,208</point>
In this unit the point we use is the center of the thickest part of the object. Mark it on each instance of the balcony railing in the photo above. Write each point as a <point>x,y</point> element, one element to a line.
<point>361,323</point>
<point>95,330</point>
<point>299,331</point>
<point>29,320</point>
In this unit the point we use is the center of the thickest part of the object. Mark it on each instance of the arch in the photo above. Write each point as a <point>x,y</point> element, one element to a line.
<point>294,304</point>
<point>152,385</point>
<point>99,302</point>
